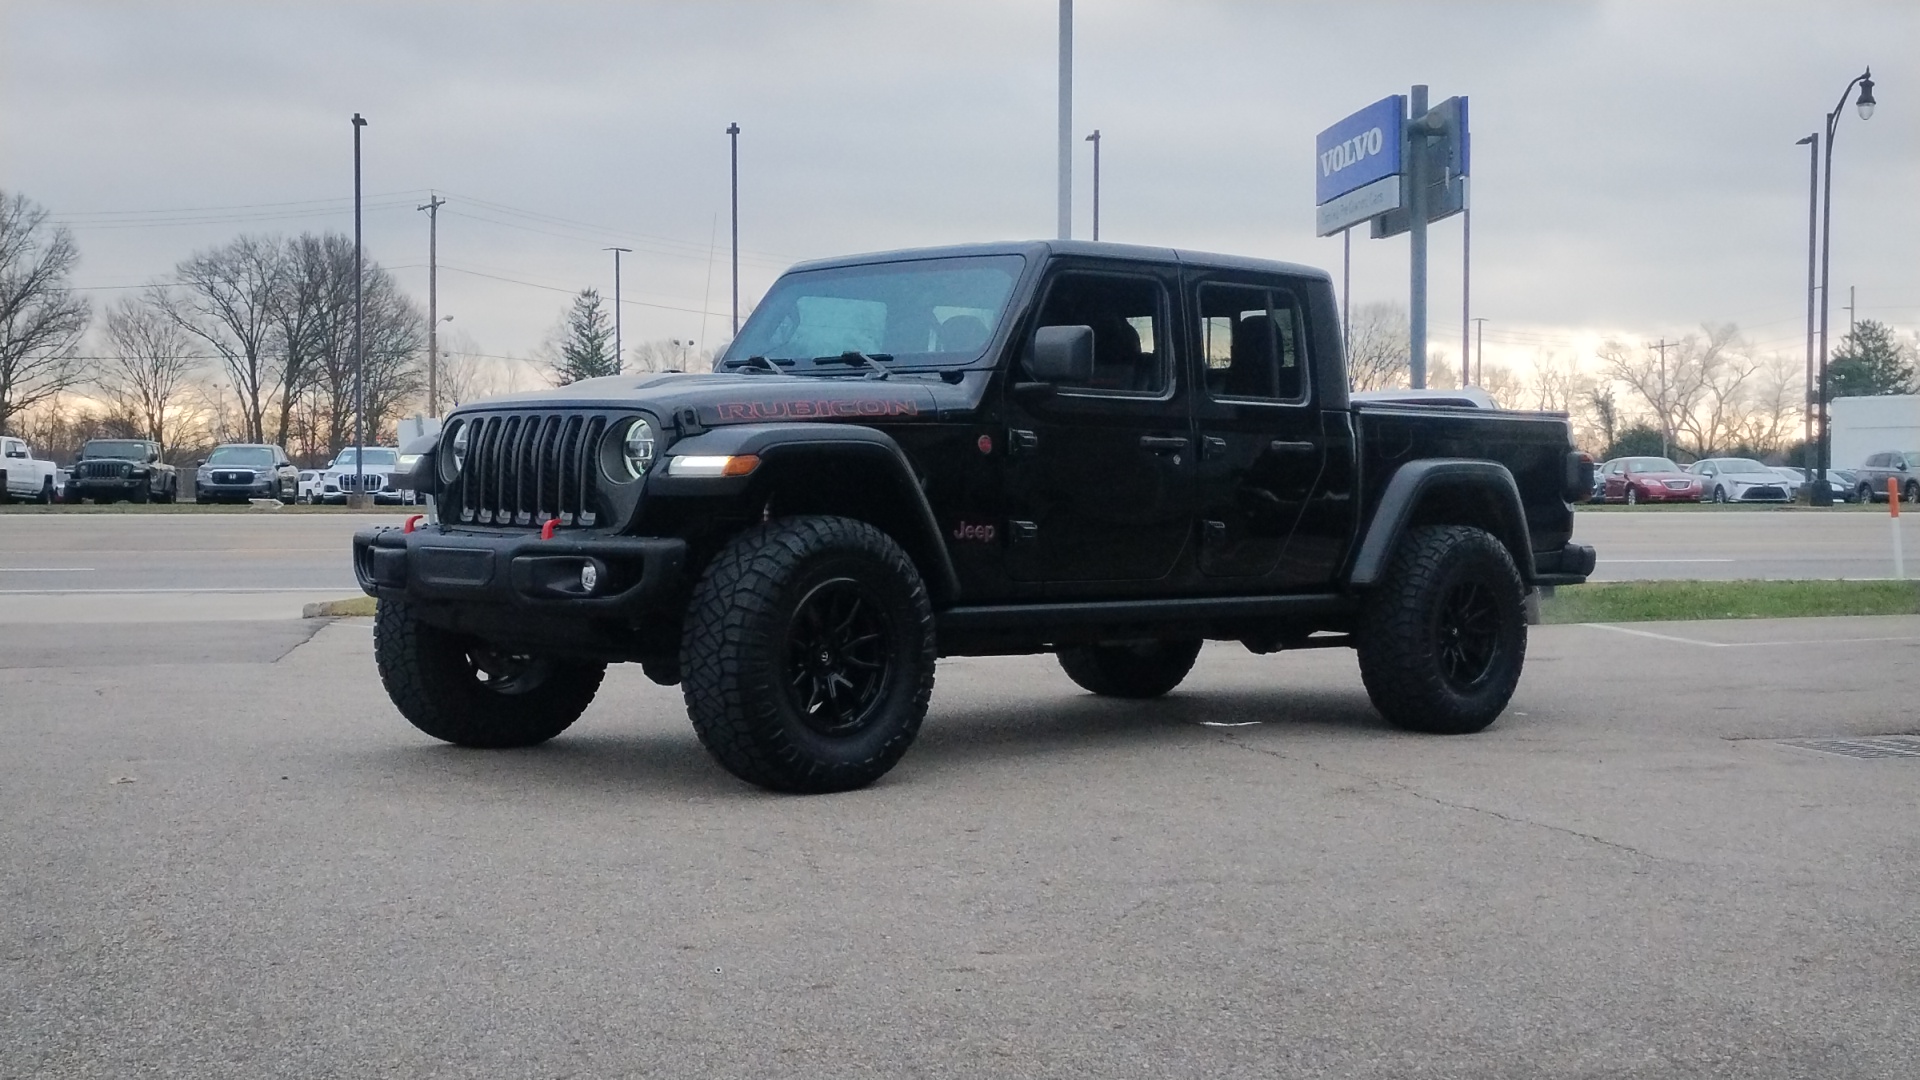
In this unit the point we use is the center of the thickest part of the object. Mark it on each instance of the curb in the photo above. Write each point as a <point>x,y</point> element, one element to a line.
<point>355,607</point>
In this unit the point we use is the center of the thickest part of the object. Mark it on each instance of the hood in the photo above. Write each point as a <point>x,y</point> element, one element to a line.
<point>719,399</point>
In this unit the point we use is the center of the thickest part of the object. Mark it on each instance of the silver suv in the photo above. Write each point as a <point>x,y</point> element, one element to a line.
<point>1870,480</point>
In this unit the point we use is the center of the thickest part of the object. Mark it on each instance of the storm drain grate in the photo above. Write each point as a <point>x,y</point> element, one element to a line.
<point>1874,746</point>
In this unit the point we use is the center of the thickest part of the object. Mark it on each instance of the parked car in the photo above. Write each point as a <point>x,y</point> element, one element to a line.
<point>1739,480</point>
<point>28,477</point>
<point>237,472</point>
<point>113,469</point>
<point>378,470</point>
<point>1839,482</point>
<point>1634,480</point>
<point>1842,481</point>
<point>1870,479</point>
<point>309,489</point>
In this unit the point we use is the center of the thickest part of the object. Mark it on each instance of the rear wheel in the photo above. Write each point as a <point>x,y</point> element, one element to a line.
<point>1138,669</point>
<point>462,690</point>
<point>807,657</point>
<point>1911,492</point>
<point>1444,634</point>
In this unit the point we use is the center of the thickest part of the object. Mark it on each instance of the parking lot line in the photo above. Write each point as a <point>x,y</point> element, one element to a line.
<point>1742,644</point>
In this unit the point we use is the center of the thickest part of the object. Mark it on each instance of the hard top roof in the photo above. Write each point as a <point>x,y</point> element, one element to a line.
<point>1041,249</point>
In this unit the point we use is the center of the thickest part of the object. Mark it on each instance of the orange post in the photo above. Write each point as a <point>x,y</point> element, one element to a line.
<point>1893,496</point>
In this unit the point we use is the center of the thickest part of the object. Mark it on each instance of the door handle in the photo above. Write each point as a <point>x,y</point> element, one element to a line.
<point>1283,446</point>
<point>1158,443</point>
<point>1213,446</point>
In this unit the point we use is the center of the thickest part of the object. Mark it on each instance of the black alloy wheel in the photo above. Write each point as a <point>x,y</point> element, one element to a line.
<point>1467,634</point>
<point>837,659</point>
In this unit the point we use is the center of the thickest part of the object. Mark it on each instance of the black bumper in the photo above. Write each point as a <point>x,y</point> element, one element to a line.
<point>520,570</point>
<point>91,488</point>
<point>1571,565</point>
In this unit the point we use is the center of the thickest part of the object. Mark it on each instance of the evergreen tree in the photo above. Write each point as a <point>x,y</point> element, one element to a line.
<point>1869,363</point>
<point>1640,440</point>
<point>586,345</point>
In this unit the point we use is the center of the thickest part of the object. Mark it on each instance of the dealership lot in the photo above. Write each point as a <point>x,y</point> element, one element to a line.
<point>228,856</point>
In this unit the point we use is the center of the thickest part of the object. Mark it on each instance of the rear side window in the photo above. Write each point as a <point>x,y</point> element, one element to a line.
<point>1251,342</point>
<point>1126,313</point>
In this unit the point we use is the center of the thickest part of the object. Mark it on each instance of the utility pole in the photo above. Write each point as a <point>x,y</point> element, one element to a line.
<point>1095,140</point>
<point>733,137</point>
<point>1416,183</point>
<point>434,203</point>
<point>1066,120</point>
<point>1479,349</point>
<point>1665,436</point>
<point>619,357</point>
<point>359,497</point>
<point>1849,311</point>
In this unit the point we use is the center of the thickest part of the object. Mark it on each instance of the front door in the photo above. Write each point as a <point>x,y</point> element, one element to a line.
<point>1100,472</point>
<point>1261,447</point>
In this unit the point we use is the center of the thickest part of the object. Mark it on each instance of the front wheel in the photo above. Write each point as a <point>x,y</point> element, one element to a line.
<point>462,690</point>
<point>1139,669</point>
<point>1444,634</point>
<point>1864,493</point>
<point>1633,497</point>
<point>807,657</point>
<point>1719,494</point>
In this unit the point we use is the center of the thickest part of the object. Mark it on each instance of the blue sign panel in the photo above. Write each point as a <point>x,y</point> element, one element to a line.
<point>1359,150</point>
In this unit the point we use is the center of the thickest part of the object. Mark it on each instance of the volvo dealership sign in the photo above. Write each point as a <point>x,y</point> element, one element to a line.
<point>1358,165</point>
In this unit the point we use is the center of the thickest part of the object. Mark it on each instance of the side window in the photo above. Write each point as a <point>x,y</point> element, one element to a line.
<point>1127,317</point>
<point>1876,461</point>
<point>1250,341</point>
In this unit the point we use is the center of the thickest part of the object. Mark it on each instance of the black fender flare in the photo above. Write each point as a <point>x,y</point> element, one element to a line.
<point>1415,481</point>
<point>779,445</point>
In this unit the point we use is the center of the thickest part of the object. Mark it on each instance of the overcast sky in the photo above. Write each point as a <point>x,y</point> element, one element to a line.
<point>1634,165</point>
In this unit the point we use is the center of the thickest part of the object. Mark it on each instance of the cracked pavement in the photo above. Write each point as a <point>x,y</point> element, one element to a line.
<point>227,856</point>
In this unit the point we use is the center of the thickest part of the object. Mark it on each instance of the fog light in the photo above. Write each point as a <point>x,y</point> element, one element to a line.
<point>589,577</point>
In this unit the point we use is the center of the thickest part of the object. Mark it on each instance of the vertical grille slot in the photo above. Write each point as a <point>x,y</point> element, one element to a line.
<point>528,468</point>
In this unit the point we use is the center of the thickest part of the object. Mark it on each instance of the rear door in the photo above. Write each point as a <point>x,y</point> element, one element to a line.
<point>1261,447</point>
<point>1099,481</point>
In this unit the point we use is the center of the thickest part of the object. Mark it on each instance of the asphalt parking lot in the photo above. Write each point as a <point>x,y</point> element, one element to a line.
<point>227,856</point>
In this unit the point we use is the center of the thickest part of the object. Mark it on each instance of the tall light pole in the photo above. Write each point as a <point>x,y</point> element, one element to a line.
<point>359,496</point>
<point>1822,495</point>
<point>432,207</point>
<point>1066,120</point>
<point>1479,348</point>
<point>619,357</point>
<point>1807,456</point>
<point>1416,187</point>
<point>1466,277</point>
<point>733,137</point>
<point>1095,140</point>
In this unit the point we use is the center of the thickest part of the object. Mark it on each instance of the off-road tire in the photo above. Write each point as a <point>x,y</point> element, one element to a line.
<point>141,494</point>
<point>434,679</point>
<point>1442,576</point>
<point>1141,669</point>
<point>752,696</point>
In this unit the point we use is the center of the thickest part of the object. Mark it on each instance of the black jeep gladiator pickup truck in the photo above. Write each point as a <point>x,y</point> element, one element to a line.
<point>1105,452</point>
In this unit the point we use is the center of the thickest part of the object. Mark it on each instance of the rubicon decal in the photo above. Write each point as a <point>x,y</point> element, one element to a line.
<point>810,410</point>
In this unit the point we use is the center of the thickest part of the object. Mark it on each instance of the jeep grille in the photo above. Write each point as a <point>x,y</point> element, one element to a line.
<point>523,469</point>
<point>103,470</point>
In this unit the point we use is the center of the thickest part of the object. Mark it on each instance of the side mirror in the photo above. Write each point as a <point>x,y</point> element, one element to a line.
<point>1903,466</point>
<point>202,461</point>
<point>1062,354</point>
<point>329,464</point>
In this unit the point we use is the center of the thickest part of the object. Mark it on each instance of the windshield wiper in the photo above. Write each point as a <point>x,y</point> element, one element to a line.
<point>856,358</point>
<point>759,363</point>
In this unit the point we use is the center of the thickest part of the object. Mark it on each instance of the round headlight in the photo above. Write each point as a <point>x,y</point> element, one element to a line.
<point>637,448</point>
<point>460,447</point>
<point>453,451</point>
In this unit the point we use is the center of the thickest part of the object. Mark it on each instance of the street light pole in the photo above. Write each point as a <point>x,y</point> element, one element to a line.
<point>1822,494</point>
<point>1065,163</point>
<point>619,357</point>
<point>1095,140</point>
<point>733,139</point>
<point>1812,143</point>
<point>359,496</point>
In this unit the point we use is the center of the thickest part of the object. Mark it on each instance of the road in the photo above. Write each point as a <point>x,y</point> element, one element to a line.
<point>227,856</point>
<point>1726,545</point>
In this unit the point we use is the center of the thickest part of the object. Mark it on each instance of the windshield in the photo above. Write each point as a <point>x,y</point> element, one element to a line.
<point>1651,464</point>
<point>1741,465</point>
<point>250,457</point>
<point>116,448</point>
<point>926,313</point>
<point>375,456</point>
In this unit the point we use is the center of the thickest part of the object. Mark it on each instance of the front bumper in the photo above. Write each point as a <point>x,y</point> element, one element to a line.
<point>519,572</point>
<point>259,489</point>
<point>106,486</point>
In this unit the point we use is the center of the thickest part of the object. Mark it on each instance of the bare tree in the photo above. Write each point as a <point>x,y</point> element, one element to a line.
<point>1378,349</point>
<point>151,361</point>
<point>1778,403</point>
<point>1725,369</point>
<point>40,317</point>
<point>227,299</point>
<point>1669,381</point>
<point>309,294</point>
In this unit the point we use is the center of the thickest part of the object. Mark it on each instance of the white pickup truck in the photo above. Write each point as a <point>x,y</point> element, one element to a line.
<point>27,476</point>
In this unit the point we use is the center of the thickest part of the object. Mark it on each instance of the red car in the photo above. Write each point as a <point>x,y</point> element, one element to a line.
<point>1648,479</point>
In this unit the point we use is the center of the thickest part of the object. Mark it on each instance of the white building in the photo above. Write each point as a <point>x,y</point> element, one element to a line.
<point>1868,425</point>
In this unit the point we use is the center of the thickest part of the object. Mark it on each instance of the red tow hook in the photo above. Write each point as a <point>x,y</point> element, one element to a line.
<point>412,520</point>
<point>546,531</point>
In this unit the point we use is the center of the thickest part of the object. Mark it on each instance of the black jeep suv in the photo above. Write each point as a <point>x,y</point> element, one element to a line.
<point>112,469</point>
<point>1109,453</point>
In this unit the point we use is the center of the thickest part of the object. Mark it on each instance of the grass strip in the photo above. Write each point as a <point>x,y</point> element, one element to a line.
<point>353,607</point>
<point>1680,601</point>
